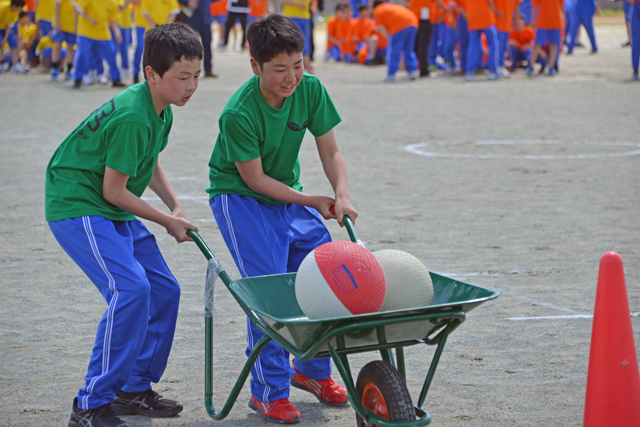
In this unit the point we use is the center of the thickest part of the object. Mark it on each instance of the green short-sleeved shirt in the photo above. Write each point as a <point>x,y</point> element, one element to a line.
<point>251,128</point>
<point>125,134</point>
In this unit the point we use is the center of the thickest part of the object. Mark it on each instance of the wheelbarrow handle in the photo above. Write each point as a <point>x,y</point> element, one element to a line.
<point>351,230</point>
<point>201,244</point>
<point>349,224</point>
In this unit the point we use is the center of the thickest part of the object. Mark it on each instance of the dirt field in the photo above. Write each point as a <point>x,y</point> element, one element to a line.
<point>518,186</point>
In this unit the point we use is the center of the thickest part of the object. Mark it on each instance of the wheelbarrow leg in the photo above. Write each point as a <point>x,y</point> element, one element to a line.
<point>208,373</point>
<point>434,364</point>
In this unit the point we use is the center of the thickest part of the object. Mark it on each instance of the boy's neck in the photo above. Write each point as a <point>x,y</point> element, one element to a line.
<point>159,104</point>
<point>272,99</point>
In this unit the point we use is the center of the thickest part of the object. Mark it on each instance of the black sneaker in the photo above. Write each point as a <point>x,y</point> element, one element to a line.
<point>117,83</point>
<point>77,84</point>
<point>136,79</point>
<point>147,403</point>
<point>97,417</point>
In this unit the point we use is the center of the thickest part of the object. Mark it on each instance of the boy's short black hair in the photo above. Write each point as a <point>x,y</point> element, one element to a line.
<point>18,3</point>
<point>274,35</point>
<point>377,3</point>
<point>521,16</point>
<point>22,14</point>
<point>362,7</point>
<point>169,43</point>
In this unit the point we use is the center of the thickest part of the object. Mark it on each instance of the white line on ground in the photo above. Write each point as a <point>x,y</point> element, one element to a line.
<point>575,316</point>
<point>418,149</point>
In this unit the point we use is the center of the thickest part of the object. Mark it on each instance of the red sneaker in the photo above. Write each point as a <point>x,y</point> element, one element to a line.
<point>326,391</point>
<point>280,411</point>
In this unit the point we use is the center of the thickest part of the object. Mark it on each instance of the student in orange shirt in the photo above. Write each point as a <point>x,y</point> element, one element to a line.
<point>218,11</point>
<point>462,30</point>
<point>401,26</point>
<point>438,15</point>
<point>422,10</point>
<point>361,33</point>
<point>338,31</point>
<point>481,20</point>
<point>259,9</point>
<point>333,49</point>
<point>549,16</point>
<point>504,24</point>
<point>520,44</point>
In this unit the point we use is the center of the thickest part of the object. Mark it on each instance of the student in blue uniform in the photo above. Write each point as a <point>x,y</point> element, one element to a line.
<point>583,13</point>
<point>256,196</point>
<point>94,181</point>
<point>200,20</point>
<point>635,38</point>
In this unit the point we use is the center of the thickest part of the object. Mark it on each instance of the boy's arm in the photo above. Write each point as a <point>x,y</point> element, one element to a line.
<point>253,175</point>
<point>333,39</point>
<point>497,12</point>
<point>57,15</point>
<point>383,31</point>
<point>116,31</point>
<point>114,190</point>
<point>172,17</point>
<point>336,171</point>
<point>82,12</point>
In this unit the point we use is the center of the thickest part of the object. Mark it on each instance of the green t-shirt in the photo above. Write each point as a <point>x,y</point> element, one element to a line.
<point>251,128</point>
<point>126,134</point>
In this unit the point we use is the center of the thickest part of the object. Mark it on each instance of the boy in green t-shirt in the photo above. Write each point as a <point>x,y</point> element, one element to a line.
<point>92,197</point>
<point>266,220</point>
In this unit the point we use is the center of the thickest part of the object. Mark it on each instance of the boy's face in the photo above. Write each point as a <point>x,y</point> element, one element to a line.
<point>280,76</point>
<point>365,13</point>
<point>178,83</point>
<point>519,24</point>
<point>25,20</point>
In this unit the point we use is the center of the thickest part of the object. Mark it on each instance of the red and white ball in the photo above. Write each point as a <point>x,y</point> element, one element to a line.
<point>339,279</point>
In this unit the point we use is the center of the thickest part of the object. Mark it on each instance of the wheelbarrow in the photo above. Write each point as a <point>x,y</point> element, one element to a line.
<point>380,396</point>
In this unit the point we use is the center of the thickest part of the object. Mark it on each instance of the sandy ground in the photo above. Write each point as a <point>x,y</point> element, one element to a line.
<point>518,186</point>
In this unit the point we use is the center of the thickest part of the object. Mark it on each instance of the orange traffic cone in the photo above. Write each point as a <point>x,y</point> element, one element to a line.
<point>613,382</point>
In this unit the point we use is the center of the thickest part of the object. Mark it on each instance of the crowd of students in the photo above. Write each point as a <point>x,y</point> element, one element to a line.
<point>76,37</point>
<point>464,36</point>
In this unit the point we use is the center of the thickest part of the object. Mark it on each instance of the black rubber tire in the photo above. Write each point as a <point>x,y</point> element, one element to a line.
<point>392,387</point>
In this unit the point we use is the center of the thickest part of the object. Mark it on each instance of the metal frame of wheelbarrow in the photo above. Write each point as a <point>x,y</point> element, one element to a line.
<point>331,337</point>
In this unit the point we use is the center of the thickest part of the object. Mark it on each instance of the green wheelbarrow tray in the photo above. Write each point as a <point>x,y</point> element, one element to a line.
<point>271,304</point>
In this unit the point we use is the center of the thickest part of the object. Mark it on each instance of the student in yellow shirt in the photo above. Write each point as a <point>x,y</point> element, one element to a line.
<point>96,19</point>
<point>44,48</point>
<point>125,23</point>
<point>300,12</point>
<point>148,14</point>
<point>64,31</point>
<point>9,11</point>
<point>27,34</point>
<point>44,16</point>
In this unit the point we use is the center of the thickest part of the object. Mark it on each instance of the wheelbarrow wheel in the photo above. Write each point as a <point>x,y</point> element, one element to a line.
<point>382,390</point>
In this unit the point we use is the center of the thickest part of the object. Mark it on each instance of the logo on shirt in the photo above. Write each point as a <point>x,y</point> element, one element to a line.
<point>294,126</point>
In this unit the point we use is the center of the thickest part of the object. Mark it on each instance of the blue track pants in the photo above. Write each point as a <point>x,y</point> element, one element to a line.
<point>137,54</point>
<point>402,42</point>
<point>270,239</point>
<point>474,51</point>
<point>90,50</point>
<point>135,334</point>
<point>635,36</point>
<point>587,22</point>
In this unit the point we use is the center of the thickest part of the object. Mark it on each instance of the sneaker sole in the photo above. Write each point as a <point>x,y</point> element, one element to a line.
<point>302,387</point>
<point>128,410</point>
<point>273,420</point>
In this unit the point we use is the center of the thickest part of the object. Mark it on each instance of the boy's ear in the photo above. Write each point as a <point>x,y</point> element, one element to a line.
<point>151,74</point>
<point>257,70</point>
